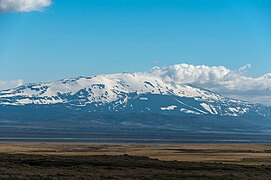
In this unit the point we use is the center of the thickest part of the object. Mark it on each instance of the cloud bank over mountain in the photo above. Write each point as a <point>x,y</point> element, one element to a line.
<point>219,79</point>
<point>23,5</point>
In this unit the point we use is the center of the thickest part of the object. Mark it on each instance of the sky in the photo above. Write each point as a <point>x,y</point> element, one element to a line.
<point>46,40</point>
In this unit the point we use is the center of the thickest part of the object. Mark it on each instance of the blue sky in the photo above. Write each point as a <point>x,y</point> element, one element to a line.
<point>87,37</point>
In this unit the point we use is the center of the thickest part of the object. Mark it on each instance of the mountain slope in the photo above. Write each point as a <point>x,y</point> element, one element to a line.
<point>127,92</point>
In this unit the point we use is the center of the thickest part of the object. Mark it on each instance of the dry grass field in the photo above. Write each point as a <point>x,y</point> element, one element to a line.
<point>255,154</point>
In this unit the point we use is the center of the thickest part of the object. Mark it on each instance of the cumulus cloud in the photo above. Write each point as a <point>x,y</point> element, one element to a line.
<point>10,84</point>
<point>23,5</point>
<point>220,79</point>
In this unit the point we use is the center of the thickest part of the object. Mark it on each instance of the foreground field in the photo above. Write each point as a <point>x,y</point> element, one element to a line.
<point>94,161</point>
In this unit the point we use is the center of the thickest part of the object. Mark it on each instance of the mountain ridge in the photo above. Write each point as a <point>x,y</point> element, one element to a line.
<point>129,92</point>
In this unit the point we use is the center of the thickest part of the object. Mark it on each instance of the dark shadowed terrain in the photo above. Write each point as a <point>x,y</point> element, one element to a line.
<point>21,166</point>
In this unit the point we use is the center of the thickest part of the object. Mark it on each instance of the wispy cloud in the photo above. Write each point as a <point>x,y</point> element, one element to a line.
<point>244,68</point>
<point>10,84</point>
<point>232,83</point>
<point>23,5</point>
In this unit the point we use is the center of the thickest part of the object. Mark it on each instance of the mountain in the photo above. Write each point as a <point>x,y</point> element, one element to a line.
<point>129,93</point>
<point>128,107</point>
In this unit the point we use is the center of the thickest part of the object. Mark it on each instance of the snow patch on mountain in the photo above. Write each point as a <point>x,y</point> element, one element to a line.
<point>169,108</point>
<point>189,111</point>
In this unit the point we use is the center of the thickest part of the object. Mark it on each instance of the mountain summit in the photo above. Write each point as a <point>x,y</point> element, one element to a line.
<point>129,93</point>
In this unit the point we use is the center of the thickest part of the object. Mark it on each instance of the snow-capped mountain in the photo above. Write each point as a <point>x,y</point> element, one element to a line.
<point>127,92</point>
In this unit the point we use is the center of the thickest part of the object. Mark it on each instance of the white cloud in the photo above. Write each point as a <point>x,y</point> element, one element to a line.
<point>220,79</point>
<point>10,84</point>
<point>23,5</point>
<point>244,68</point>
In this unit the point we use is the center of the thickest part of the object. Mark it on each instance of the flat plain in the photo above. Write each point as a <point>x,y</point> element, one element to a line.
<point>134,161</point>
